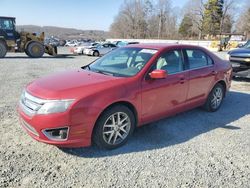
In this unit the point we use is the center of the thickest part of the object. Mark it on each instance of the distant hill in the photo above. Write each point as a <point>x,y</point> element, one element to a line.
<point>65,33</point>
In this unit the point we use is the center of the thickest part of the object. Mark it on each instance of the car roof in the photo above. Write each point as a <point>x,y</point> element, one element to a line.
<point>6,17</point>
<point>160,46</point>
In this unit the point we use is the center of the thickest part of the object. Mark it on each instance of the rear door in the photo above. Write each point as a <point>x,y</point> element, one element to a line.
<point>201,74</point>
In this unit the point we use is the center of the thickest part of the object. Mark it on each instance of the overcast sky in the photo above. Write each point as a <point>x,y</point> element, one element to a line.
<point>81,14</point>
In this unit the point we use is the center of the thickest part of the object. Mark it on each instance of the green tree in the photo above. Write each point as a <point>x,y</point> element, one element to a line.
<point>213,14</point>
<point>185,28</point>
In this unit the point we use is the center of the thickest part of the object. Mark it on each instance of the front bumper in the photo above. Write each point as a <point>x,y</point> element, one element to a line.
<point>242,74</point>
<point>241,69</point>
<point>88,52</point>
<point>79,134</point>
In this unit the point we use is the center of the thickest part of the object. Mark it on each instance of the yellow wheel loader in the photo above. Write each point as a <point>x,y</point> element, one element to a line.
<point>29,43</point>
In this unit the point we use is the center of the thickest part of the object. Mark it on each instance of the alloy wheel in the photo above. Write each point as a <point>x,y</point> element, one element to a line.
<point>116,128</point>
<point>217,98</point>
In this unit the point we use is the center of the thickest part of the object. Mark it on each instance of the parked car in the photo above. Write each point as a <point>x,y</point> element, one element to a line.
<point>244,45</point>
<point>62,42</point>
<point>124,43</point>
<point>131,86</point>
<point>100,50</point>
<point>240,60</point>
<point>80,49</point>
<point>71,44</point>
<point>53,41</point>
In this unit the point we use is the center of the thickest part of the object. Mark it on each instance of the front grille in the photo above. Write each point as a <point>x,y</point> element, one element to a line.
<point>29,128</point>
<point>30,104</point>
<point>240,59</point>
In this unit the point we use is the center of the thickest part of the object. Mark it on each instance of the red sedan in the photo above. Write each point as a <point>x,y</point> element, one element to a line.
<point>131,86</point>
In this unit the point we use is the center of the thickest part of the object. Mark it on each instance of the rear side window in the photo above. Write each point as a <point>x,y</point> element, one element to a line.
<point>198,58</point>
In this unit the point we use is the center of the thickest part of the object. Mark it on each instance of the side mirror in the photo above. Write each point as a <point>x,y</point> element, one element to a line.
<point>158,74</point>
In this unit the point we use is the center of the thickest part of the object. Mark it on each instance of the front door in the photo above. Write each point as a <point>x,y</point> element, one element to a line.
<point>163,97</point>
<point>7,29</point>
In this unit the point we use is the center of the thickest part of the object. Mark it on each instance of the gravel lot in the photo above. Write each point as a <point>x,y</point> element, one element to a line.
<point>192,149</point>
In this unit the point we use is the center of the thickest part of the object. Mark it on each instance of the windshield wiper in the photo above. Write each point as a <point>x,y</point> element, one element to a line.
<point>86,66</point>
<point>101,71</point>
<point>104,72</point>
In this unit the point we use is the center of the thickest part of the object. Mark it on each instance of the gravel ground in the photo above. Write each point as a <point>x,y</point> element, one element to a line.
<point>192,149</point>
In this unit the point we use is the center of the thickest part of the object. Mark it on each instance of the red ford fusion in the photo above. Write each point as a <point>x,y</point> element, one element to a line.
<point>105,101</point>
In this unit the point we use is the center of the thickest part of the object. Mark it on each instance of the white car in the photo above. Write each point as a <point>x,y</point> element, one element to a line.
<point>80,49</point>
<point>71,43</point>
<point>99,49</point>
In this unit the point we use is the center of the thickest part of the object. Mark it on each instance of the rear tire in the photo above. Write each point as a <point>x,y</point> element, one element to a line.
<point>3,49</point>
<point>215,98</point>
<point>96,53</point>
<point>114,127</point>
<point>35,50</point>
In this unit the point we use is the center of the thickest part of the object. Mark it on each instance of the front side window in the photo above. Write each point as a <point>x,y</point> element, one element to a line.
<point>123,62</point>
<point>198,59</point>
<point>171,61</point>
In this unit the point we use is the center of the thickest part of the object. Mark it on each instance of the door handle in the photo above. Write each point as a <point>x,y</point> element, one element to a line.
<point>182,80</point>
<point>214,72</point>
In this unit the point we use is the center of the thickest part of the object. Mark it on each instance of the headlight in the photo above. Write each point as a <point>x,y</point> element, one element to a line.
<point>55,106</point>
<point>33,105</point>
<point>228,57</point>
<point>247,60</point>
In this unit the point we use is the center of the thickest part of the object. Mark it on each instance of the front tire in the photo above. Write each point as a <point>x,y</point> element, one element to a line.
<point>26,52</point>
<point>35,50</point>
<point>114,127</point>
<point>215,98</point>
<point>3,49</point>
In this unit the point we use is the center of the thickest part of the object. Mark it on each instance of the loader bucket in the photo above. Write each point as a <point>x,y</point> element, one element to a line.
<point>51,50</point>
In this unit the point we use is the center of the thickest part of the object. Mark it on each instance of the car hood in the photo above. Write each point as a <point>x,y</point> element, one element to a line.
<point>71,84</point>
<point>241,52</point>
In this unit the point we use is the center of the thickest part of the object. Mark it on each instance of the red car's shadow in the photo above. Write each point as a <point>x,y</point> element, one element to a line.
<point>178,129</point>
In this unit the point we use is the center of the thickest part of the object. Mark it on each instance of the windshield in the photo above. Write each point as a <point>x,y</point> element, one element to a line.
<point>6,24</point>
<point>123,62</point>
<point>121,44</point>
